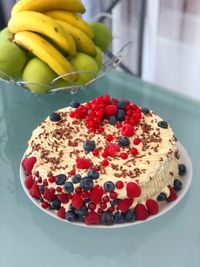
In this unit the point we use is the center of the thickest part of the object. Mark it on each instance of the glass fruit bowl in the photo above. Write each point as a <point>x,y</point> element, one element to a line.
<point>110,62</point>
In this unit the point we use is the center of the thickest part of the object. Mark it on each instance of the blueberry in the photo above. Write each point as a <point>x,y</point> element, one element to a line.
<point>82,211</point>
<point>163,124</point>
<point>124,141</point>
<point>177,185</point>
<point>109,186</point>
<point>41,188</point>
<point>76,178</point>
<point>145,110</point>
<point>55,117</point>
<point>106,218</point>
<point>114,202</point>
<point>121,104</point>
<point>70,216</point>
<point>55,204</point>
<point>74,104</point>
<point>86,183</point>
<point>161,197</point>
<point>119,217</point>
<point>93,174</point>
<point>181,169</point>
<point>129,216</point>
<point>112,120</point>
<point>89,145</point>
<point>69,187</point>
<point>120,115</point>
<point>60,179</point>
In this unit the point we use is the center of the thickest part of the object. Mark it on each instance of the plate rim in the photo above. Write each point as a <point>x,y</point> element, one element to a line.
<point>169,205</point>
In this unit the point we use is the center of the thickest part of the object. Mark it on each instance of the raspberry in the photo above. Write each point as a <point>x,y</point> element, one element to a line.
<point>45,205</point>
<point>52,179</point>
<point>141,212</point>
<point>96,194</point>
<point>152,206</point>
<point>100,130</point>
<point>77,201</point>
<point>124,155</point>
<point>28,164</point>
<point>29,181</point>
<point>133,190</point>
<point>173,195</point>
<point>91,206</point>
<point>85,194</point>
<point>63,198</point>
<point>112,149</point>
<point>95,153</point>
<point>61,213</point>
<point>34,191</point>
<point>92,218</point>
<point>109,138</point>
<point>111,110</point>
<point>48,194</point>
<point>83,163</point>
<point>134,151</point>
<point>127,130</point>
<point>124,204</point>
<point>119,184</point>
<point>105,162</point>
<point>136,141</point>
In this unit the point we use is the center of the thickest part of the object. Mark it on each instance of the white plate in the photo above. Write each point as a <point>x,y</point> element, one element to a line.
<point>186,181</point>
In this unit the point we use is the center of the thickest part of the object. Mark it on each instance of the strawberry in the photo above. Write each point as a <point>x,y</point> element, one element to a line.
<point>92,218</point>
<point>61,213</point>
<point>133,190</point>
<point>34,191</point>
<point>77,201</point>
<point>29,181</point>
<point>83,163</point>
<point>96,194</point>
<point>173,195</point>
<point>28,164</point>
<point>141,212</point>
<point>152,206</point>
<point>127,130</point>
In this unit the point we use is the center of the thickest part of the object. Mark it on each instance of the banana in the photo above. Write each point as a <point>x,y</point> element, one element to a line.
<point>44,5</point>
<point>72,19</point>
<point>83,42</point>
<point>46,52</point>
<point>40,23</point>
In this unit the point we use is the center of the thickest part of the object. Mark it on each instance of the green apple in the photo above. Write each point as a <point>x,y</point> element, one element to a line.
<point>84,62</point>
<point>99,57</point>
<point>102,35</point>
<point>12,57</point>
<point>39,74</point>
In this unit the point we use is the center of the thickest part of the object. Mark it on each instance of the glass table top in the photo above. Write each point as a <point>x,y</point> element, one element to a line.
<point>29,237</point>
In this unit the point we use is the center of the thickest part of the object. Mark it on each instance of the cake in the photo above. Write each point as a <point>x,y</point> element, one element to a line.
<point>106,161</point>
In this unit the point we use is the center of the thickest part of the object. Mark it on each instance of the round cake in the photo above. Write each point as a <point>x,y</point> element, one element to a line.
<point>103,162</point>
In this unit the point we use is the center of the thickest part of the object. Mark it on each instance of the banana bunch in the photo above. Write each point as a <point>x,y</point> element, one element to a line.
<point>54,32</point>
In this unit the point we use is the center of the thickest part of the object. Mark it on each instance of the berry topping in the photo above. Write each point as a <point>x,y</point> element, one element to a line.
<point>61,213</point>
<point>163,124</point>
<point>74,104</point>
<point>83,163</point>
<point>105,162</point>
<point>134,151</point>
<point>109,138</point>
<point>114,202</point>
<point>129,216</point>
<point>60,179</point>
<point>177,185</point>
<point>173,195</point>
<point>109,186</point>
<point>162,197</point>
<point>54,117</point>
<point>86,183</point>
<point>141,212</point>
<point>29,181</point>
<point>121,104</point>
<point>89,145</point>
<point>119,217</point>
<point>152,206</point>
<point>124,141</point>
<point>52,179</point>
<point>112,149</point>
<point>63,198</point>
<point>55,204</point>
<point>45,205</point>
<point>112,120</point>
<point>76,178</point>
<point>49,194</point>
<point>119,184</point>
<point>111,110</point>
<point>91,206</point>
<point>145,110</point>
<point>68,187</point>
<point>95,152</point>
<point>120,115</point>
<point>133,190</point>
<point>34,191</point>
<point>70,216</point>
<point>181,169</point>
<point>124,204</point>
<point>127,130</point>
<point>136,141</point>
<point>81,212</point>
<point>28,164</point>
<point>41,188</point>
<point>113,195</point>
<point>93,174</point>
<point>77,201</point>
<point>106,218</point>
<point>124,155</point>
<point>106,199</point>
<point>103,205</point>
<point>92,218</point>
